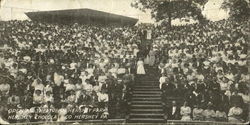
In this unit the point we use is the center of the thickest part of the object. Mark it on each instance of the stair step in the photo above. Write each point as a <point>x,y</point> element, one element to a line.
<point>146,120</point>
<point>147,95</point>
<point>147,86</point>
<point>149,81</point>
<point>146,106</point>
<point>147,89</point>
<point>146,114</point>
<point>146,99</point>
<point>146,102</point>
<point>147,92</point>
<point>146,110</point>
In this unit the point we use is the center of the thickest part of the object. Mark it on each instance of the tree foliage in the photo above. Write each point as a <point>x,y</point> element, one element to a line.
<point>171,9</point>
<point>238,9</point>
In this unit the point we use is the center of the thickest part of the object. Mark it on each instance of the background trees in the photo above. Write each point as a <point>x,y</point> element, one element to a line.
<point>167,10</point>
<point>238,9</point>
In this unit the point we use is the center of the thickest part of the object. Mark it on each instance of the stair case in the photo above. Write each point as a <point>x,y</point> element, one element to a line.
<point>146,104</point>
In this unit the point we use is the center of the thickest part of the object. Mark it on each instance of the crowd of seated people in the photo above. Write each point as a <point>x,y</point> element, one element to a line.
<point>207,66</point>
<point>83,67</point>
<point>65,67</point>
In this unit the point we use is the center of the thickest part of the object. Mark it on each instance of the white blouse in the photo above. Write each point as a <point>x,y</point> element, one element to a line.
<point>102,97</point>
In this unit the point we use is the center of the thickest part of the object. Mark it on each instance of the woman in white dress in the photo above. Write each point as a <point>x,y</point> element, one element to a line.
<point>197,113</point>
<point>4,88</point>
<point>185,112</point>
<point>114,70</point>
<point>79,88</point>
<point>209,114</point>
<point>151,58</point>
<point>146,60</point>
<point>220,115</point>
<point>140,67</point>
<point>235,114</point>
<point>162,79</point>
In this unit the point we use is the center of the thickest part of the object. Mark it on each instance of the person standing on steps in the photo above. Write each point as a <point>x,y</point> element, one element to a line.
<point>151,54</point>
<point>162,80</point>
<point>140,67</point>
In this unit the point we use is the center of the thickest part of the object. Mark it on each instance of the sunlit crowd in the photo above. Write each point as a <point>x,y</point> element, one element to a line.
<point>207,65</point>
<point>84,67</point>
<point>66,67</point>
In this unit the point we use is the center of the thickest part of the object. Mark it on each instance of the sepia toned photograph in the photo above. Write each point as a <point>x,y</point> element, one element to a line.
<point>172,62</point>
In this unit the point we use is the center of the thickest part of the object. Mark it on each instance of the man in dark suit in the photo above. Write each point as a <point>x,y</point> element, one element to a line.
<point>168,89</point>
<point>173,112</point>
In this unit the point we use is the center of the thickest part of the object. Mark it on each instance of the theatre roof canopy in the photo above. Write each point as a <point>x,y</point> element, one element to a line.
<point>81,16</point>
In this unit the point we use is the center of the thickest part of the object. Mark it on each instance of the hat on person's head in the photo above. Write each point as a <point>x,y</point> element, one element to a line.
<point>191,83</point>
<point>206,66</point>
<point>23,71</point>
<point>209,104</point>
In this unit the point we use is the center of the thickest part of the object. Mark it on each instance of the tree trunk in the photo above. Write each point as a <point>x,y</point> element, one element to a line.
<point>170,7</point>
<point>170,20</point>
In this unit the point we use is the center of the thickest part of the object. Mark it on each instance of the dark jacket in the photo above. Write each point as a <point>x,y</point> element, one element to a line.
<point>173,115</point>
<point>168,89</point>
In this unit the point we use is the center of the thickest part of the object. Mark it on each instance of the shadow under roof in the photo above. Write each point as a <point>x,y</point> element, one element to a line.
<point>81,16</point>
